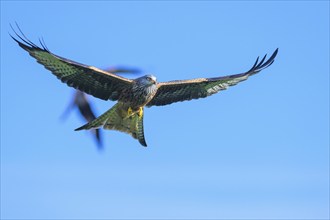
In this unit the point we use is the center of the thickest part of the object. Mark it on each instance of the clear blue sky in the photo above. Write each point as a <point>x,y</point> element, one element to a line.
<point>257,150</point>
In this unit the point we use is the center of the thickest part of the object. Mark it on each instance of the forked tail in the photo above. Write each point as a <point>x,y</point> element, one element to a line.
<point>118,118</point>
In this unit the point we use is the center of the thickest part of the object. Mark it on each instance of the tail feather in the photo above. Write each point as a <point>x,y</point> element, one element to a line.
<point>98,122</point>
<point>117,118</point>
<point>140,131</point>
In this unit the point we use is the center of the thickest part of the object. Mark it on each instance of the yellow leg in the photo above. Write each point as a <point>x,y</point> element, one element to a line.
<point>140,113</point>
<point>129,111</point>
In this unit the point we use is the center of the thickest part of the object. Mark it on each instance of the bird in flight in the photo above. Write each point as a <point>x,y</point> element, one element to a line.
<point>132,95</point>
<point>84,105</point>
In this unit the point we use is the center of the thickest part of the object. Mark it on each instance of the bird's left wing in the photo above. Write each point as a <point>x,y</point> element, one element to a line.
<point>91,80</point>
<point>182,90</point>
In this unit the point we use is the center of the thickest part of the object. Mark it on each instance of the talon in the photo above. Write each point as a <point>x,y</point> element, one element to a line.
<point>129,111</point>
<point>140,113</point>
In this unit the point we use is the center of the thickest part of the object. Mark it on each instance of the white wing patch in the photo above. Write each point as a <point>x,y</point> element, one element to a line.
<point>217,88</point>
<point>225,85</point>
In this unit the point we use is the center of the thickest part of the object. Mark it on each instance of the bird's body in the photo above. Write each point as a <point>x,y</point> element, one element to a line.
<point>127,115</point>
<point>84,105</point>
<point>131,95</point>
<point>140,93</point>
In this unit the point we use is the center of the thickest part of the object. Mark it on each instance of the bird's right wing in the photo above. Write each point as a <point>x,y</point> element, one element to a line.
<point>184,90</point>
<point>89,79</point>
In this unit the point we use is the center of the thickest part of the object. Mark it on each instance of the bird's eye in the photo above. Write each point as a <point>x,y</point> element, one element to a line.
<point>149,78</point>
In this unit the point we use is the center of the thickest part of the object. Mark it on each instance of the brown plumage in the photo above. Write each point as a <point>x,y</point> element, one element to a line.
<point>132,95</point>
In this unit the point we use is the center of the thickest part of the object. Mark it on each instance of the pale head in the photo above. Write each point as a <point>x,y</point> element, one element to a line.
<point>147,80</point>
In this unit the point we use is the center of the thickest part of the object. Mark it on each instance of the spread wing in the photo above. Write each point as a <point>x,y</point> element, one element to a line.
<point>99,83</point>
<point>182,90</point>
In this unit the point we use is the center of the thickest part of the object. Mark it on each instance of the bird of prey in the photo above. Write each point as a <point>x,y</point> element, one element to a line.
<point>83,104</point>
<point>132,95</point>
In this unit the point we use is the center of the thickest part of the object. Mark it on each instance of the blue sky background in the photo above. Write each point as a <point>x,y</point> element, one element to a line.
<point>257,150</point>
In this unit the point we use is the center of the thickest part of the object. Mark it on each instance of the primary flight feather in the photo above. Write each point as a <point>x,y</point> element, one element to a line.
<point>132,95</point>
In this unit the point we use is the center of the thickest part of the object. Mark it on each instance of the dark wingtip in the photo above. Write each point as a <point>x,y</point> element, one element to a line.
<point>258,66</point>
<point>17,35</point>
<point>80,128</point>
<point>24,42</point>
<point>123,70</point>
<point>143,143</point>
<point>98,139</point>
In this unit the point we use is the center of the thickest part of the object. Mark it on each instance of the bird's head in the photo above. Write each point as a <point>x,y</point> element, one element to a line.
<point>147,80</point>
